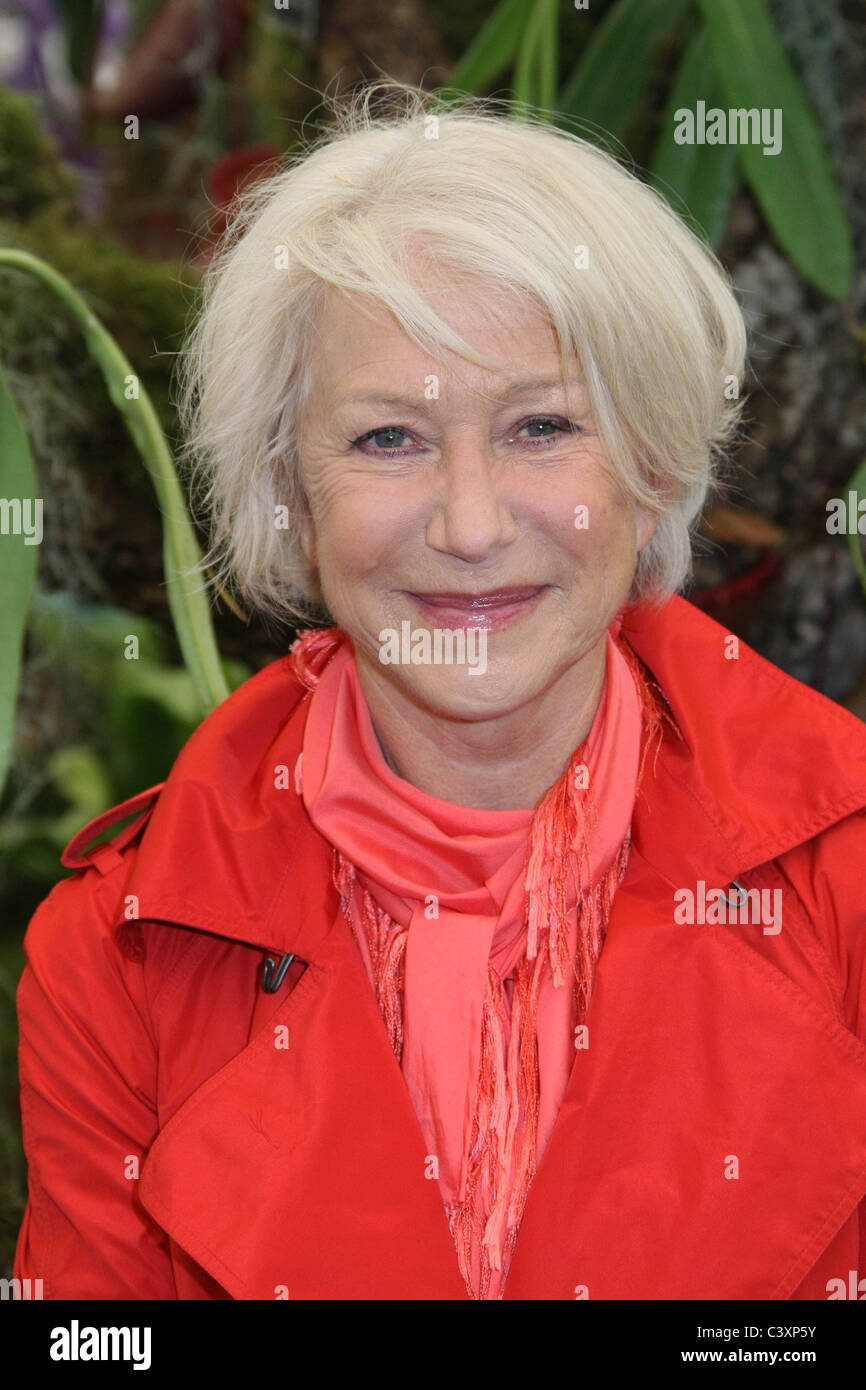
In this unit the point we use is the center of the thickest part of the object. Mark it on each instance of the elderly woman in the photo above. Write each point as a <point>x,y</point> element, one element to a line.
<point>504,938</point>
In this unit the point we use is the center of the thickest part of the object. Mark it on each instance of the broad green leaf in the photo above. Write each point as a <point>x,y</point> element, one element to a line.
<point>80,775</point>
<point>18,506</point>
<point>494,47</point>
<point>613,72</point>
<point>187,596</point>
<point>547,55</point>
<point>89,639</point>
<point>703,176</point>
<point>795,188</point>
<point>523,85</point>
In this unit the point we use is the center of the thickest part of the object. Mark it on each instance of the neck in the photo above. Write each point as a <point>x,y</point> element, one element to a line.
<point>503,763</point>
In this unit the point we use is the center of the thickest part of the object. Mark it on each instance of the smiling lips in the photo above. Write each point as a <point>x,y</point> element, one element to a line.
<point>493,610</point>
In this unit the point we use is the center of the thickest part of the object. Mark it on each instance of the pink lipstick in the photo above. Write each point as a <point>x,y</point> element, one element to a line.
<point>495,609</point>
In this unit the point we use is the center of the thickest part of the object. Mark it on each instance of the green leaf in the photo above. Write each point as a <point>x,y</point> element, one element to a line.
<point>795,188</point>
<point>547,56</point>
<point>17,558</point>
<point>80,775</point>
<point>610,80</point>
<point>494,47</point>
<point>523,85</point>
<point>88,640</point>
<point>187,596</point>
<point>704,177</point>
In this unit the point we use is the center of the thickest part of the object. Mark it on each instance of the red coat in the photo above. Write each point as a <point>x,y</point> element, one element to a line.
<point>278,1151</point>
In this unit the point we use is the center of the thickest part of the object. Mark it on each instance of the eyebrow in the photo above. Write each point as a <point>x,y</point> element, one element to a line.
<point>527,387</point>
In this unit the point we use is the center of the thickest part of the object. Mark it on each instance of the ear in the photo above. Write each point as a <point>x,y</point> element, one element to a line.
<point>646,524</point>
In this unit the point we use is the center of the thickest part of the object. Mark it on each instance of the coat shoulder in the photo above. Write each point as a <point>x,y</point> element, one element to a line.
<point>93,911</point>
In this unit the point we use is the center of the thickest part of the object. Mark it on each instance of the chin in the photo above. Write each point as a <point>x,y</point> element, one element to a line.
<point>456,693</point>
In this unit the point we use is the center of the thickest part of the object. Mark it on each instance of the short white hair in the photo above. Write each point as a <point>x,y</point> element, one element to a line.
<point>646,309</point>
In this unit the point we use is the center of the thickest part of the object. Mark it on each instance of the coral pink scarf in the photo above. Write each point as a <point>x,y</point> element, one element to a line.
<point>465,919</point>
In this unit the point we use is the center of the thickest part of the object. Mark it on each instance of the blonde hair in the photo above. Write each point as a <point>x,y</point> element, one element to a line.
<point>645,308</point>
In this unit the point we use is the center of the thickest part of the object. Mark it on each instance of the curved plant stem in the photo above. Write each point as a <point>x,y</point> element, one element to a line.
<point>187,596</point>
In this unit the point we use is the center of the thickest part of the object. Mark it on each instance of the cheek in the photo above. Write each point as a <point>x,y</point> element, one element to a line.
<point>356,529</point>
<point>594,525</point>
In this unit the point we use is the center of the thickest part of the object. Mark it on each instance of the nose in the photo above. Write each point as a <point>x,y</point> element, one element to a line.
<point>471,516</point>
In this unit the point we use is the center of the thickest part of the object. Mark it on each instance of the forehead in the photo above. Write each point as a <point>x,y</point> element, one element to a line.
<point>360,346</point>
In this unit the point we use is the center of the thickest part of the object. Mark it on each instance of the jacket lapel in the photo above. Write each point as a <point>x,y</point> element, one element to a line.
<point>713,1134</point>
<point>299,1169</point>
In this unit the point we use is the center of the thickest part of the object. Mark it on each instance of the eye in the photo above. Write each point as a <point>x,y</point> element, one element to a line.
<point>387,433</point>
<point>560,428</point>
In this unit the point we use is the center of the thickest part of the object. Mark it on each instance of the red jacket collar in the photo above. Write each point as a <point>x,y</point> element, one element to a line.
<point>763,764</point>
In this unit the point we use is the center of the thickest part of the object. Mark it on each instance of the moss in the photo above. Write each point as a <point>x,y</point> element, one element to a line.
<point>32,173</point>
<point>143,303</point>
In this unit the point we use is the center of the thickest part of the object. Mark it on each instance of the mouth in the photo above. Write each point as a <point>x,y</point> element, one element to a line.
<point>495,609</point>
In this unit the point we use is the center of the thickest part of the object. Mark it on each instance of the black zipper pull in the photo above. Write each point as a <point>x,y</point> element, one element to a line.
<point>274,974</point>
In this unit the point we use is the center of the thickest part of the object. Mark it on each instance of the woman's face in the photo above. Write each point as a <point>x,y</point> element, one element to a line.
<point>434,486</point>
